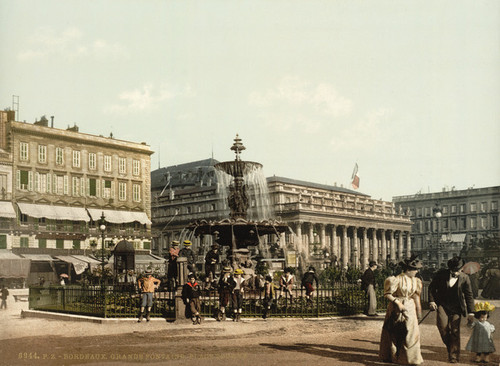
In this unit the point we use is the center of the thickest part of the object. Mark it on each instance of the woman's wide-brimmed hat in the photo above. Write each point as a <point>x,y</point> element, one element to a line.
<point>455,263</point>
<point>412,263</point>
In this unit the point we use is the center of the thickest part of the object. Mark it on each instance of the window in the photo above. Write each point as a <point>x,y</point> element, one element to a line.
<point>76,159</point>
<point>75,185</point>
<point>58,184</point>
<point>107,163</point>
<point>136,192</point>
<point>42,154</point>
<point>473,223</point>
<point>494,206</point>
<point>24,151</point>
<point>122,191</point>
<point>76,244</point>
<point>484,206</point>
<point>462,208</point>
<point>3,185</point>
<point>41,182</point>
<point>419,212</point>
<point>59,243</point>
<point>147,245</point>
<point>427,211</point>
<point>445,209</point>
<point>494,222</point>
<point>484,222</point>
<point>42,243</point>
<point>107,186</point>
<point>462,223</point>
<point>122,165</point>
<point>453,209</point>
<point>92,161</point>
<point>473,207</point>
<point>24,242</point>
<point>59,156</point>
<point>136,167</point>
<point>3,241</point>
<point>92,187</point>
<point>25,180</point>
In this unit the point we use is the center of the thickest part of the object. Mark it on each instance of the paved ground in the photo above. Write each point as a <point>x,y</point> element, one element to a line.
<point>332,341</point>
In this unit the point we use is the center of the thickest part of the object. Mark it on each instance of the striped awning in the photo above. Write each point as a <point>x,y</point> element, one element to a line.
<point>54,212</point>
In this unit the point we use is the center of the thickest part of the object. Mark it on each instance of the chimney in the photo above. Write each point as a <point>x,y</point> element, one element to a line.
<point>51,121</point>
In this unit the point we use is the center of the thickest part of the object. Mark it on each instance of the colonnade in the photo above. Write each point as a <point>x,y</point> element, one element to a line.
<point>353,245</point>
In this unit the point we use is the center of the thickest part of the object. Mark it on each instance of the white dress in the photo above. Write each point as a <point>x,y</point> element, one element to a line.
<point>400,338</point>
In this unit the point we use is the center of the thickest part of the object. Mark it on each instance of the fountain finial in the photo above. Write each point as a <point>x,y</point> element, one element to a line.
<point>237,147</point>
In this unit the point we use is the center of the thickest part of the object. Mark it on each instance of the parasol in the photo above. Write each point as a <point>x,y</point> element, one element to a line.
<point>471,268</point>
<point>63,275</point>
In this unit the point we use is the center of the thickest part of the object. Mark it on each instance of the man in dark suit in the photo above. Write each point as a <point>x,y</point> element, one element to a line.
<point>368,285</point>
<point>450,293</point>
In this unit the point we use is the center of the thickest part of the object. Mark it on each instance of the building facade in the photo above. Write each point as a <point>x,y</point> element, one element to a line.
<point>57,183</point>
<point>450,222</point>
<point>330,225</point>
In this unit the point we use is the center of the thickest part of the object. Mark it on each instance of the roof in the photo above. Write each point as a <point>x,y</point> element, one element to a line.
<point>182,175</point>
<point>314,185</point>
<point>124,247</point>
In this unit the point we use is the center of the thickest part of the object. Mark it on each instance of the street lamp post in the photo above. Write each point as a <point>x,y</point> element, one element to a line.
<point>438,213</point>
<point>102,228</point>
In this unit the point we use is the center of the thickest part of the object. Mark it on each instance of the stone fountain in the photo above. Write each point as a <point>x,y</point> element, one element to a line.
<point>238,232</point>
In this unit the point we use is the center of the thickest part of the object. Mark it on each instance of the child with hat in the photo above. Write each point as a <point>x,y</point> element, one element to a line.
<point>237,296</point>
<point>226,286</point>
<point>481,339</point>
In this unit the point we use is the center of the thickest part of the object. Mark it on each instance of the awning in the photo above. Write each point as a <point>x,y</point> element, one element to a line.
<point>54,212</point>
<point>13,266</point>
<point>79,265</point>
<point>38,257</point>
<point>91,261</point>
<point>119,217</point>
<point>454,238</point>
<point>148,258</point>
<point>7,210</point>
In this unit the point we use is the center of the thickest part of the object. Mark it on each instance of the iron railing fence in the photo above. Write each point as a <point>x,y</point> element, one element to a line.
<point>106,302</point>
<point>119,302</point>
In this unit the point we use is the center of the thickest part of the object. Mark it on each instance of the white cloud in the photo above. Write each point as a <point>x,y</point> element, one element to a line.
<point>146,98</point>
<point>68,44</point>
<point>323,98</point>
<point>368,131</point>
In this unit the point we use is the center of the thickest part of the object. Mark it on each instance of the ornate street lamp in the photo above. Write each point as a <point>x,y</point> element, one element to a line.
<point>438,213</point>
<point>102,228</point>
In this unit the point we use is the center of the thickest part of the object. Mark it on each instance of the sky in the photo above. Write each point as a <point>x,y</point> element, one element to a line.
<point>408,90</point>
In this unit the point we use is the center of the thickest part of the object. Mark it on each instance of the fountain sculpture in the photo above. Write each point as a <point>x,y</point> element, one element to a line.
<point>237,232</point>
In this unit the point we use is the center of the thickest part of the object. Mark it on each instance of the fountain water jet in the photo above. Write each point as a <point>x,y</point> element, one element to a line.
<point>238,231</point>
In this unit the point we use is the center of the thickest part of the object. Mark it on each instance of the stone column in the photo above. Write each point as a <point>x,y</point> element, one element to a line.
<point>408,244</point>
<point>335,243</point>
<point>375,246</point>
<point>344,254</point>
<point>300,244</point>
<point>366,249</point>
<point>322,236</point>
<point>383,246</point>
<point>355,248</point>
<point>401,254</point>
<point>392,245</point>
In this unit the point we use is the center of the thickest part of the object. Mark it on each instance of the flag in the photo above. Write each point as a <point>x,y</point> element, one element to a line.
<point>355,177</point>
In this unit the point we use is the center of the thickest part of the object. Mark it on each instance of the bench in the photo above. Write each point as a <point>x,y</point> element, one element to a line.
<point>20,297</point>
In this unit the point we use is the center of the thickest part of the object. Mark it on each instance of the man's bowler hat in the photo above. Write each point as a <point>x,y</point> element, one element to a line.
<point>455,263</point>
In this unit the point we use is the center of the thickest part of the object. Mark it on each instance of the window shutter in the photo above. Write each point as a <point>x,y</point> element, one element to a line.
<point>49,186</point>
<point>97,188</point>
<point>112,190</point>
<point>88,187</point>
<point>65,184</point>
<point>18,179</point>
<point>30,180</point>
<point>82,186</point>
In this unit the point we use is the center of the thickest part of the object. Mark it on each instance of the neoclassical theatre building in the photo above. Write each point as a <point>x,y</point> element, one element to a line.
<point>329,225</point>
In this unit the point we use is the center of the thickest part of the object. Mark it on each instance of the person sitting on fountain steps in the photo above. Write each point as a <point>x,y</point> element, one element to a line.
<point>188,253</point>
<point>191,293</point>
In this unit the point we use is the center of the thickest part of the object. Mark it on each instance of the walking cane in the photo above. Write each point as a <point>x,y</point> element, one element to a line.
<point>426,315</point>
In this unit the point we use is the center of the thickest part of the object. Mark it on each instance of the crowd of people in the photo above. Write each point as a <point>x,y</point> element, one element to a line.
<point>451,296</point>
